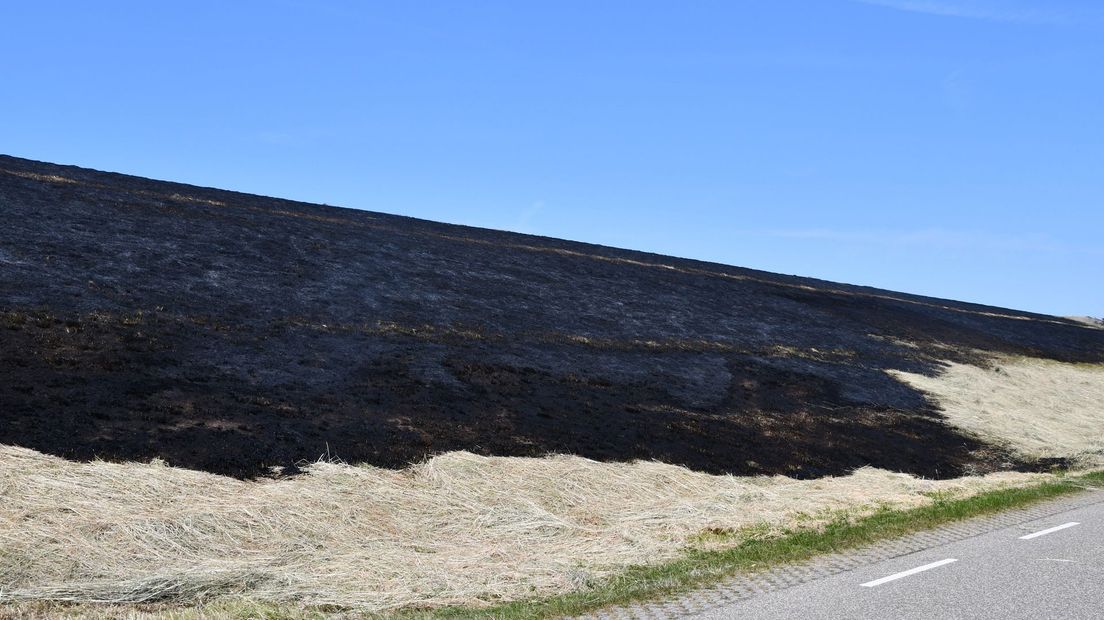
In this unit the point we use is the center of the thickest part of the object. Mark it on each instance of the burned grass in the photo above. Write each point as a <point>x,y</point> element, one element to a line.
<point>114,388</point>
<point>232,333</point>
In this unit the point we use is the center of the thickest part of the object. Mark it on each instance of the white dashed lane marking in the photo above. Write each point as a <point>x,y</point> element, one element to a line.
<point>1050,530</point>
<point>911,571</point>
<point>920,569</point>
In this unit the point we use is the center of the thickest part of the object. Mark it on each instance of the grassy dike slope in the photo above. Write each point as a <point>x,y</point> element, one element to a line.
<point>503,417</point>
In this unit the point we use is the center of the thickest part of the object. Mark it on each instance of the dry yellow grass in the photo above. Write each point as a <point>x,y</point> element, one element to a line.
<point>1038,408</point>
<point>219,610</point>
<point>458,529</point>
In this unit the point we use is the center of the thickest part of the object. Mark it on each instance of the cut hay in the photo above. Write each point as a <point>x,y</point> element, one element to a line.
<point>458,529</point>
<point>1038,408</point>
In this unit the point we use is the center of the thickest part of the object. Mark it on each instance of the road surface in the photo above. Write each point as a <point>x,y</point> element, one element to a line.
<point>1044,568</point>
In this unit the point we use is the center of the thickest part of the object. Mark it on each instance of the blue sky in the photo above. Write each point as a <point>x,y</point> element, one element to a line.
<point>945,147</point>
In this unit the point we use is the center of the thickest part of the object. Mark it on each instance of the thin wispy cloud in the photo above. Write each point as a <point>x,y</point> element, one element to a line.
<point>989,11</point>
<point>525,218</point>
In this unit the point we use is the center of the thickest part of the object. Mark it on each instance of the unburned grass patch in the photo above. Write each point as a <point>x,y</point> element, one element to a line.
<point>695,567</point>
<point>1040,409</point>
<point>456,530</point>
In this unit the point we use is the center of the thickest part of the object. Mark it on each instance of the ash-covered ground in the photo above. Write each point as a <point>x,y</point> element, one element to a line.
<point>232,333</point>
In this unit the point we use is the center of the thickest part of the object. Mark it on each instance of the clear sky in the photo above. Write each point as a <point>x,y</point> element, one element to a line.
<point>945,147</point>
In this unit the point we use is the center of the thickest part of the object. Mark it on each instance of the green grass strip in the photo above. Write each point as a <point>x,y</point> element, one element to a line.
<point>701,568</point>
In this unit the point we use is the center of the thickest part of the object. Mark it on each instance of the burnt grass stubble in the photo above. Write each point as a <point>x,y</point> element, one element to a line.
<point>233,333</point>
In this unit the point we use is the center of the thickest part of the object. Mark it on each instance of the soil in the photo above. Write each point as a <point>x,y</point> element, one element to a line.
<point>235,333</point>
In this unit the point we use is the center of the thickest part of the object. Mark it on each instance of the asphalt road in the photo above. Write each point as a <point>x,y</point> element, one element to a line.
<point>1046,568</point>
